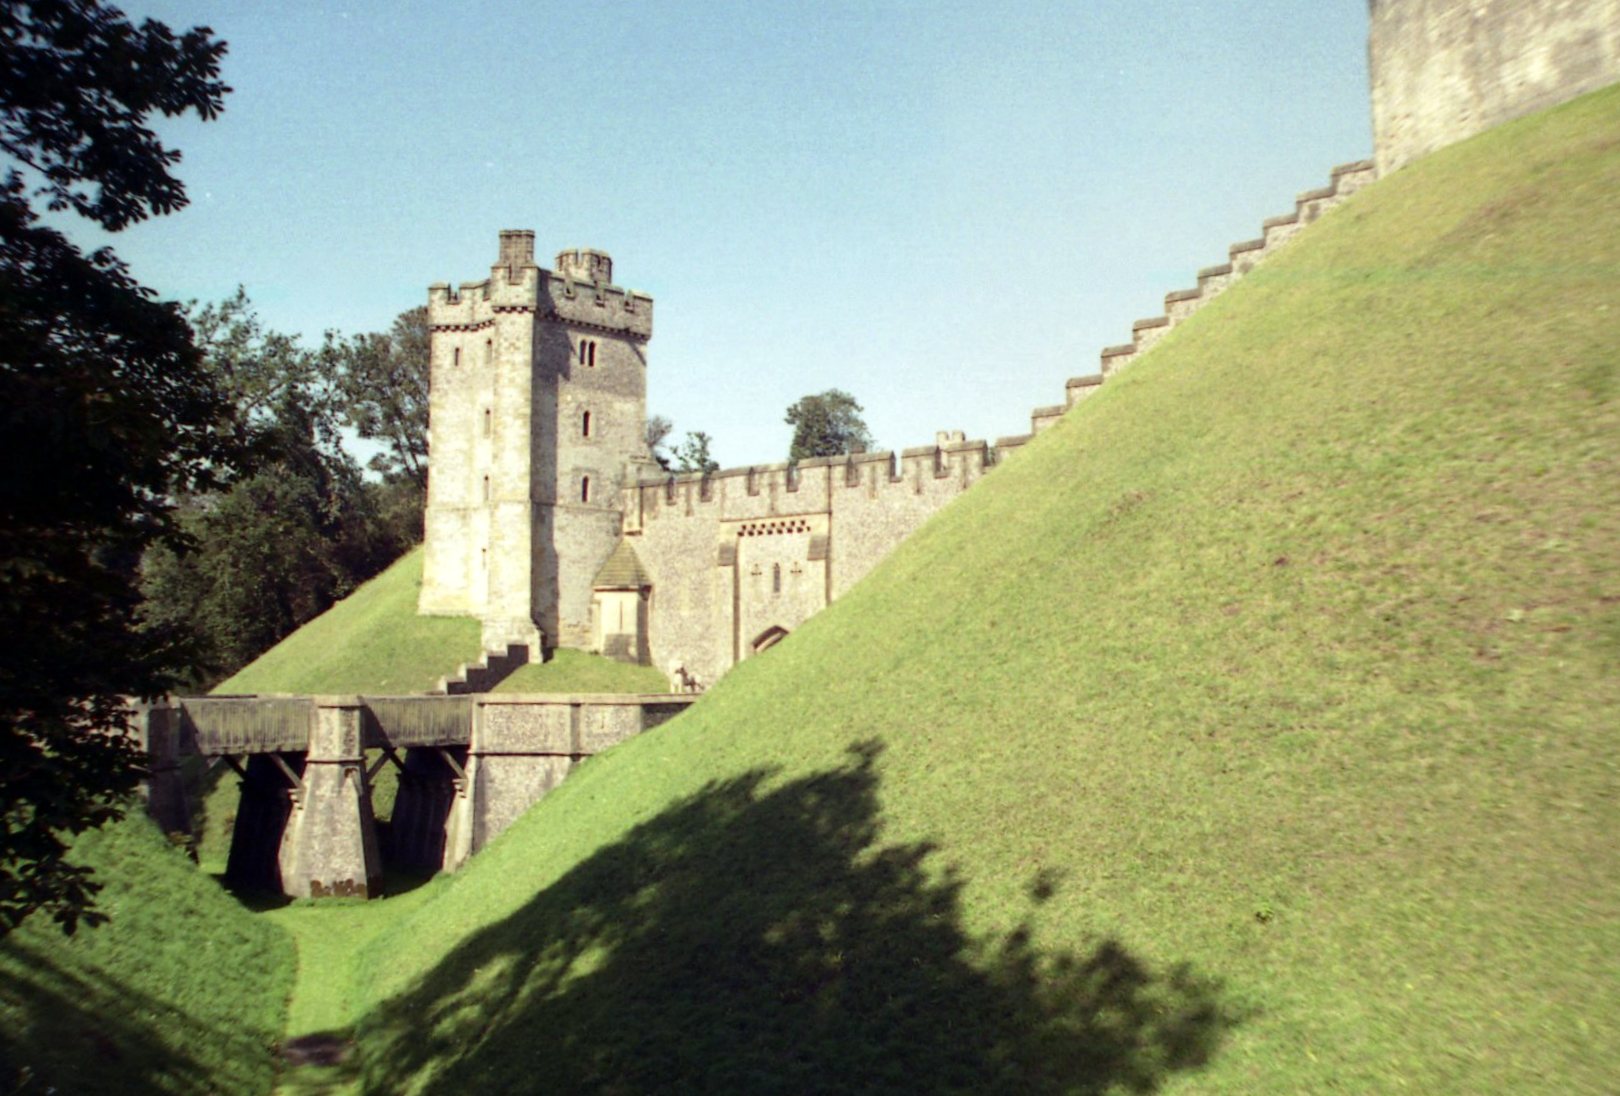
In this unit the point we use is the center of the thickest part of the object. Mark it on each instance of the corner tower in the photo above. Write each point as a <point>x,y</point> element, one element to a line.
<point>537,411</point>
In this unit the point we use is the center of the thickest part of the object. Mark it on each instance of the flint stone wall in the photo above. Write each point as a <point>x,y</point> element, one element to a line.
<point>1443,70</point>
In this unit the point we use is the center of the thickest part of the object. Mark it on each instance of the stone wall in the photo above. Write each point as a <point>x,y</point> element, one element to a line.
<point>741,557</point>
<point>592,355</point>
<point>1443,70</point>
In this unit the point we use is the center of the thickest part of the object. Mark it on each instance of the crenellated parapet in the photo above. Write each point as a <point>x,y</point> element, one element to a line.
<point>513,285</point>
<point>1212,281</point>
<point>740,557</point>
<point>596,306</point>
<point>813,484</point>
<point>579,292</point>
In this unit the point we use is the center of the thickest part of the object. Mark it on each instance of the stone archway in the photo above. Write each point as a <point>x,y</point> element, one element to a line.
<point>767,639</point>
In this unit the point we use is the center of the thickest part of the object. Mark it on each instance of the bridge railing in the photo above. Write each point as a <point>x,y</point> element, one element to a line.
<point>213,726</point>
<point>409,721</point>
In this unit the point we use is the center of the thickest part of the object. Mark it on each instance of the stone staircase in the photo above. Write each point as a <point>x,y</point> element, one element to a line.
<point>482,676</point>
<point>1346,179</point>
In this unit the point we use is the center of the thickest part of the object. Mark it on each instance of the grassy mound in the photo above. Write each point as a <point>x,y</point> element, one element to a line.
<point>182,991</point>
<point>372,641</point>
<point>580,672</point>
<point>1251,732</point>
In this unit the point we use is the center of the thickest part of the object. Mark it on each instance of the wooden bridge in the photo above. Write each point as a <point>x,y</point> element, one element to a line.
<point>468,766</point>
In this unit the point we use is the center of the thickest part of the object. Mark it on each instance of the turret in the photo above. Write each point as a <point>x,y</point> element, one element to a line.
<point>584,264</point>
<point>517,251</point>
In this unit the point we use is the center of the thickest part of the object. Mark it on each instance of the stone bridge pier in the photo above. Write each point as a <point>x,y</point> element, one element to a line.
<point>468,766</point>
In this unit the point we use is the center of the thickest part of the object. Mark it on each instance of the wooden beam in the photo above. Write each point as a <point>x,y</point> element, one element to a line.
<point>281,763</point>
<point>450,760</point>
<point>388,755</point>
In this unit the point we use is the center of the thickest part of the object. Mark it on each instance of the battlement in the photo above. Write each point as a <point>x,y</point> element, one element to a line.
<point>584,264</point>
<point>597,305</point>
<point>813,485</point>
<point>939,458</point>
<point>513,285</point>
<point>579,292</point>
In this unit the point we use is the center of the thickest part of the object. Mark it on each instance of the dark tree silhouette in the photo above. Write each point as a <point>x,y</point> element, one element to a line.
<point>106,415</point>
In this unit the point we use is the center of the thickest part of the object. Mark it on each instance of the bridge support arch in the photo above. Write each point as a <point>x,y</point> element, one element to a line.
<point>473,763</point>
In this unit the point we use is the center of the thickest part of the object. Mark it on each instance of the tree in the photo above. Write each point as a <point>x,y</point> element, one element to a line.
<point>827,425</point>
<point>656,433</point>
<point>382,385</point>
<point>282,544</point>
<point>693,455</point>
<point>107,415</point>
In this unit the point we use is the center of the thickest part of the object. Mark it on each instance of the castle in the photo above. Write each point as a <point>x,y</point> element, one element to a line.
<point>549,521</point>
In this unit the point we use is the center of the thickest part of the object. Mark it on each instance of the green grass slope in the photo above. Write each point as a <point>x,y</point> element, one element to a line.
<point>1252,731</point>
<point>372,641</point>
<point>183,991</point>
<point>581,672</point>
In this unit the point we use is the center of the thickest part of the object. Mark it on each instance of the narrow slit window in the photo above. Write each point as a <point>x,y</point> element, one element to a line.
<point>587,353</point>
<point>776,578</point>
<point>584,489</point>
<point>585,424</point>
<point>455,358</point>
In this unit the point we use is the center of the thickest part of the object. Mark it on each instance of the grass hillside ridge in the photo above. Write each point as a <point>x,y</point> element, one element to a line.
<point>1251,732</point>
<point>182,991</point>
<point>372,641</point>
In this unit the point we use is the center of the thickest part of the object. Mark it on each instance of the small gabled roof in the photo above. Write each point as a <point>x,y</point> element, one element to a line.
<point>622,571</point>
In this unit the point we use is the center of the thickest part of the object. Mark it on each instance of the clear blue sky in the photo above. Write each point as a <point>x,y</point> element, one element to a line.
<point>944,208</point>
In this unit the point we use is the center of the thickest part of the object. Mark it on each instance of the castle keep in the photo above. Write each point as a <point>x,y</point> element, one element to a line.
<point>538,403</point>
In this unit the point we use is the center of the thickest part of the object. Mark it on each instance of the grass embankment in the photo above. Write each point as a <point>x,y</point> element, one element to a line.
<point>1252,731</point>
<point>372,641</point>
<point>581,672</point>
<point>183,991</point>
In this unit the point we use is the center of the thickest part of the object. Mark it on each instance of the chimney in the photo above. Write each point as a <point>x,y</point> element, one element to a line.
<point>517,250</point>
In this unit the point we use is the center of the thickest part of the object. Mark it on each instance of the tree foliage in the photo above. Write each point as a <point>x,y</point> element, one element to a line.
<point>656,433</point>
<point>693,454</point>
<point>382,385</point>
<point>107,414</point>
<point>827,424</point>
<point>279,546</point>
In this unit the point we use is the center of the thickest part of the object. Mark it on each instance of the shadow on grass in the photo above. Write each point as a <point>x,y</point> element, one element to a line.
<point>759,938</point>
<point>84,1031</point>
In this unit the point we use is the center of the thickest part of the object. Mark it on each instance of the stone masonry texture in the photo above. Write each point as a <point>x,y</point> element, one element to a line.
<point>1443,70</point>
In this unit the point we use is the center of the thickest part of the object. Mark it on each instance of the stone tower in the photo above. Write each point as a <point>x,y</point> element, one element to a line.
<point>536,422</point>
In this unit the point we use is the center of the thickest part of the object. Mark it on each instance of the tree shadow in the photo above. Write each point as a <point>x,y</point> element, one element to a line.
<point>84,1031</point>
<point>758,938</point>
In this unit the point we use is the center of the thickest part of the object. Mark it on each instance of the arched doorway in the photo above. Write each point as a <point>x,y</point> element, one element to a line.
<point>767,639</point>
